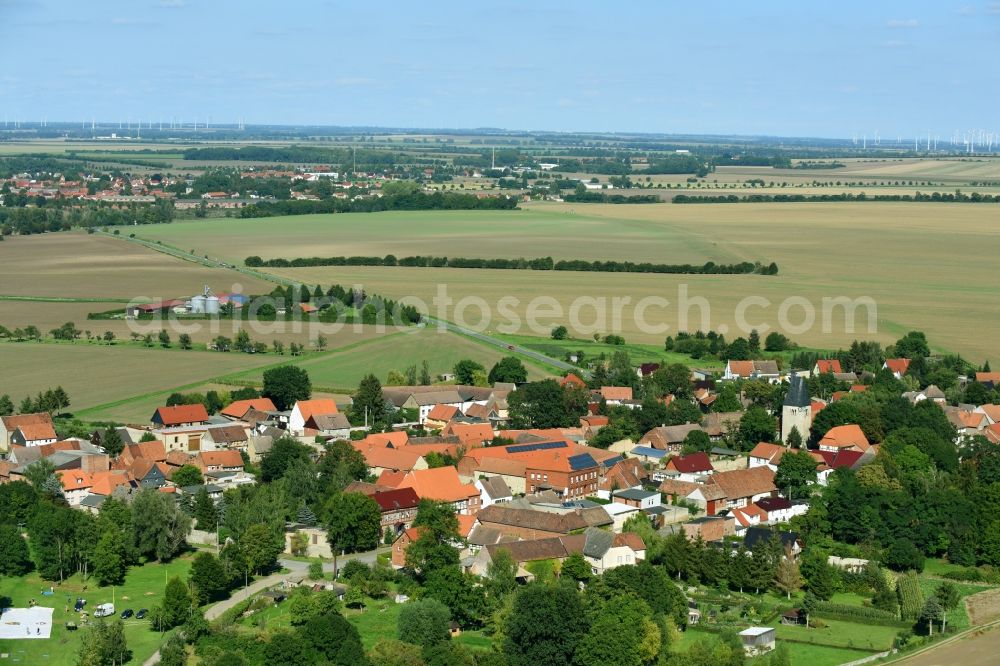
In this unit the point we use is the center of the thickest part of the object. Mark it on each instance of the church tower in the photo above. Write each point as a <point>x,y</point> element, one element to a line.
<point>796,411</point>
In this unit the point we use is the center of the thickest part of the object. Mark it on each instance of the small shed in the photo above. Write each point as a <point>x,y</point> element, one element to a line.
<point>757,640</point>
<point>792,617</point>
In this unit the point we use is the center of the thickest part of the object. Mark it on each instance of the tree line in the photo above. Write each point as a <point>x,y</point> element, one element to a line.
<point>410,201</point>
<point>537,264</point>
<point>944,197</point>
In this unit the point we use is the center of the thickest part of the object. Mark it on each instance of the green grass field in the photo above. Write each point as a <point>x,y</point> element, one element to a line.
<point>143,588</point>
<point>95,375</point>
<point>926,266</point>
<point>342,371</point>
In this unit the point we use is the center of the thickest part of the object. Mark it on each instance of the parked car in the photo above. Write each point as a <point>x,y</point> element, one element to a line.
<point>104,610</point>
<point>127,613</point>
<point>142,613</point>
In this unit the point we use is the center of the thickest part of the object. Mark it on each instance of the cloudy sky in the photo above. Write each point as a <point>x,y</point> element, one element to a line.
<point>778,68</point>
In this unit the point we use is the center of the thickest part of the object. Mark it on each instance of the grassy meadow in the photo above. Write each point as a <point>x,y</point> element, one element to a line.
<point>926,266</point>
<point>95,375</point>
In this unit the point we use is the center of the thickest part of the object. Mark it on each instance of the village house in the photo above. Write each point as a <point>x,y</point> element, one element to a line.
<point>33,434</point>
<point>829,461</point>
<point>218,461</point>
<point>387,458</point>
<point>332,426</point>
<point>182,438</point>
<point>897,366</point>
<point>616,395</point>
<point>568,469</point>
<point>8,424</point>
<point>398,508</point>
<point>766,370</point>
<point>233,436</point>
<point>316,543</point>
<point>602,550</point>
<point>238,409</point>
<point>690,467</point>
<point>304,409</point>
<point>668,438</point>
<point>511,471</point>
<point>441,484</point>
<point>640,499</point>
<point>844,437</point>
<point>179,416</point>
<point>827,365</point>
<point>767,455</point>
<point>439,416</point>
<point>493,490</point>
<point>709,528</point>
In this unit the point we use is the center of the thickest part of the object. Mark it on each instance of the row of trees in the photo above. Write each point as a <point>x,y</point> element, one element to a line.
<point>539,264</point>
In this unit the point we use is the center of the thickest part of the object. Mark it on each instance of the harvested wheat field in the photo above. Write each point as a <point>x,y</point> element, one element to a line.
<point>81,265</point>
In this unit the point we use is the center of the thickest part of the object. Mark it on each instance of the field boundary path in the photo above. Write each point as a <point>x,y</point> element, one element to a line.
<point>294,566</point>
<point>507,346</point>
<point>454,328</point>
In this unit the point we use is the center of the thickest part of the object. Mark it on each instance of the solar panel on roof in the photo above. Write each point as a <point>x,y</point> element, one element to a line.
<point>582,461</point>
<point>537,446</point>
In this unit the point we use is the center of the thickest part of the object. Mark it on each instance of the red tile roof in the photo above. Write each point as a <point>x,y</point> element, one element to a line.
<point>36,432</point>
<point>317,407</point>
<point>572,380</point>
<point>393,500</point>
<point>744,482</point>
<point>828,365</point>
<point>207,459</point>
<point>845,437</point>
<point>442,412</point>
<point>181,414</point>
<point>616,392</point>
<point>691,463</point>
<point>441,483</point>
<point>897,365</point>
<point>241,407</point>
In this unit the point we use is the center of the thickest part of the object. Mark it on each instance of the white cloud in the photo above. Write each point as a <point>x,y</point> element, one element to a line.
<point>903,23</point>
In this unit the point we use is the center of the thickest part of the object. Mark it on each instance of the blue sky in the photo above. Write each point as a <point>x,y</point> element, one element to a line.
<point>778,68</point>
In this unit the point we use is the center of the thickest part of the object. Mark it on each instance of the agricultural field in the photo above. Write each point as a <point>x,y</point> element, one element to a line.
<point>80,265</point>
<point>926,266</point>
<point>95,374</point>
<point>143,588</point>
<point>49,315</point>
<point>343,370</point>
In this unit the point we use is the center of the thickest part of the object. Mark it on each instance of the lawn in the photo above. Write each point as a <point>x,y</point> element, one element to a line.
<point>143,588</point>
<point>800,653</point>
<point>935,278</point>
<point>344,370</point>
<point>840,634</point>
